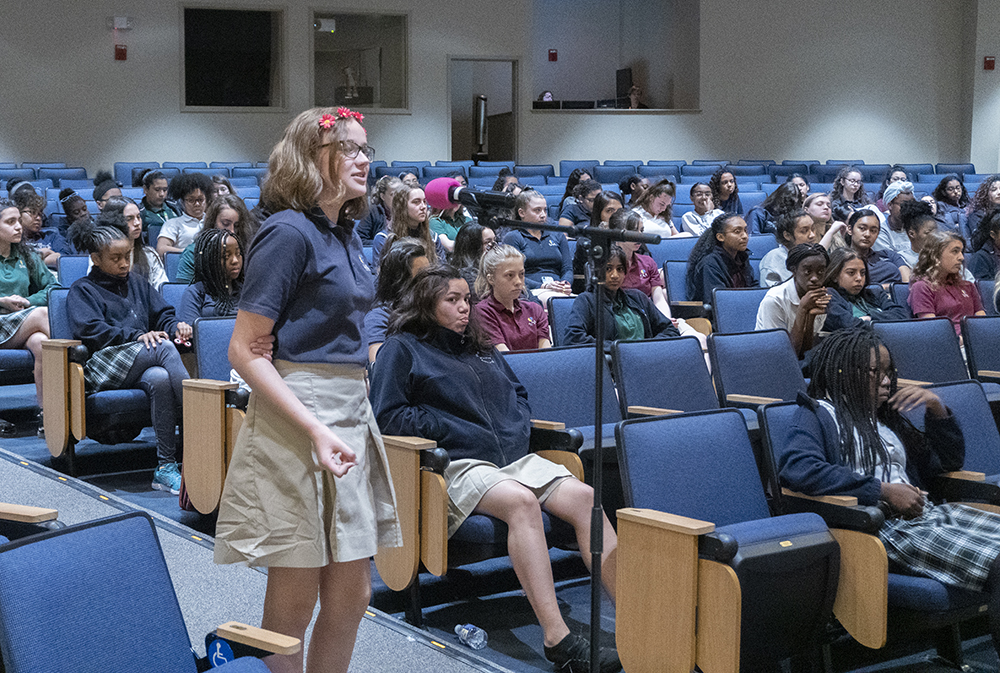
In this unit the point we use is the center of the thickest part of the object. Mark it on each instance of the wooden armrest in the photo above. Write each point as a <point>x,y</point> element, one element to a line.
<point>652,411</point>
<point>913,382</point>
<point>27,514</point>
<point>687,303</point>
<point>841,500</point>
<point>412,443</point>
<point>260,638</point>
<point>547,425</point>
<point>861,604</point>
<point>671,522</point>
<point>61,343</point>
<point>209,384</point>
<point>988,373</point>
<point>751,399</point>
<point>965,474</point>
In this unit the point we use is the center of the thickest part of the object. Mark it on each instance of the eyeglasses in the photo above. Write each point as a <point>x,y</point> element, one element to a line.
<point>350,149</point>
<point>851,181</point>
<point>195,201</point>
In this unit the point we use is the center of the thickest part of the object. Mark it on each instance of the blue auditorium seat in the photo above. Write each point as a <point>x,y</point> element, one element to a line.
<point>118,572</point>
<point>751,365</point>
<point>566,166</point>
<point>123,169</point>
<point>723,542</point>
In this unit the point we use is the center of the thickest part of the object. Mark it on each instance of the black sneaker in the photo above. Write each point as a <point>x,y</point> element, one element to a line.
<point>572,655</point>
<point>40,419</point>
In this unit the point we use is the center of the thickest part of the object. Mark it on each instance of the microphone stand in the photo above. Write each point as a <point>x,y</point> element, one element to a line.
<point>600,245</point>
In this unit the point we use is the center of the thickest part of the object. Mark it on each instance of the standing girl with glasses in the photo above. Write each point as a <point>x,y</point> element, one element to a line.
<point>307,493</point>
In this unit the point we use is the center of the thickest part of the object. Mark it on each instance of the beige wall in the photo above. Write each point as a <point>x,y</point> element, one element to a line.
<point>778,80</point>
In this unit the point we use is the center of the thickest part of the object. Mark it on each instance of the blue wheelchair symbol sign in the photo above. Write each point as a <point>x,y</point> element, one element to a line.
<point>219,653</point>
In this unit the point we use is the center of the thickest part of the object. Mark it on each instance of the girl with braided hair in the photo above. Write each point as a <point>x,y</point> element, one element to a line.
<point>218,276</point>
<point>127,328</point>
<point>799,304</point>
<point>850,437</point>
<point>145,261</point>
<point>226,212</point>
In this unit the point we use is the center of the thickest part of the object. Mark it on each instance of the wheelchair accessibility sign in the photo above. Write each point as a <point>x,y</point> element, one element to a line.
<point>219,653</point>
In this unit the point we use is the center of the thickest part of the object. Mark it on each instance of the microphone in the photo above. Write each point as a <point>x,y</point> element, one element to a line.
<point>443,193</point>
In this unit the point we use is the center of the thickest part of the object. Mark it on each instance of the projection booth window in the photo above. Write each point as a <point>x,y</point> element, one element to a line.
<point>359,60</point>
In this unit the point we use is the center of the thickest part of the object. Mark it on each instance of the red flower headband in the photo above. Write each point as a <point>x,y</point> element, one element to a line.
<point>327,121</point>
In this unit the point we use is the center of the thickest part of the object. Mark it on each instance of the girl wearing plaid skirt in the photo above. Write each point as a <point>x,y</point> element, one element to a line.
<point>24,292</point>
<point>127,327</point>
<point>851,438</point>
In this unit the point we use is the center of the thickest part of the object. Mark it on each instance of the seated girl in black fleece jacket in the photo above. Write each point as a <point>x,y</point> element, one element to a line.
<point>127,327</point>
<point>852,301</point>
<point>629,313</point>
<point>439,378</point>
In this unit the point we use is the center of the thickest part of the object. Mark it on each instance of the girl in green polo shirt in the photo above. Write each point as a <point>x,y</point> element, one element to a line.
<point>24,286</point>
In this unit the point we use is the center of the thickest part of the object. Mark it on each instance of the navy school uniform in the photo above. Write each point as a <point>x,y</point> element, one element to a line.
<point>583,317</point>
<point>883,267</point>
<point>317,288</point>
<point>718,269</point>
<point>547,256</point>
<point>471,405</point>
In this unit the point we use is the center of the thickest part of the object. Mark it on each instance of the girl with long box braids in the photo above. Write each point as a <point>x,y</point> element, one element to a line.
<point>850,437</point>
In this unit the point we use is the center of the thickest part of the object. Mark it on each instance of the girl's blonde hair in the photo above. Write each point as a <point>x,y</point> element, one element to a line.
<point>928,265</point>
<point>293,179</point>
<point>491,259</point>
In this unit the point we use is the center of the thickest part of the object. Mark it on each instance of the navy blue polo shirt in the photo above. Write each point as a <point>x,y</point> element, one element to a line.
<point>548,256</point>
<point>883,267</point>
<point>310,277</point>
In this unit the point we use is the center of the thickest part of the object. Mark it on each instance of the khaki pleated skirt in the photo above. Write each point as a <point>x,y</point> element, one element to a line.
<point>279,508</point>
<point>467,481</point>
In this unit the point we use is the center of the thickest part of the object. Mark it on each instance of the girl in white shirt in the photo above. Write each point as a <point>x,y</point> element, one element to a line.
<point>700,219</point>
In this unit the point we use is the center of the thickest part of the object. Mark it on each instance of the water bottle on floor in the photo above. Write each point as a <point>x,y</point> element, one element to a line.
<point>470,635</point>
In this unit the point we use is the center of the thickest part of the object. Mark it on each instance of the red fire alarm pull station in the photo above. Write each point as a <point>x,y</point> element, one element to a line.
<point>989,63</point>
<point>553,55</point>
<point>121,52</point>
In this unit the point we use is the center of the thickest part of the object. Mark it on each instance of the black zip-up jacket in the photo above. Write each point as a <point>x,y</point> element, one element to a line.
<point>471,405</point>
<point>840,311</point>
<point>718,269</point>
<point>107,311</point>
<point>582,318</point>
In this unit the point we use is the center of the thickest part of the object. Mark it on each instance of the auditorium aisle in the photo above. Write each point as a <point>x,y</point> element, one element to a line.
<point>210,595</point>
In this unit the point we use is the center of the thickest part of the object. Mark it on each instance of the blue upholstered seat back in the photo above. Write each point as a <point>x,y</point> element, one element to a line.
<point>665,373</point>
<point>560,385</point>
<point>924,350</point>
<point>211,345</point>
<point>982,334</point>
<point>173,293</point>
<point>58,319</point>
<point>92,597</point>
<point>736,309</point>
<point>559,309</point>
<point>72,268</point>
<point>967,401</point>
<point>699,465</point>
<point>755,363</point>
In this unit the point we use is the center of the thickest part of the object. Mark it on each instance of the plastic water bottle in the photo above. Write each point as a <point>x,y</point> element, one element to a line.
<point>470,635</point>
